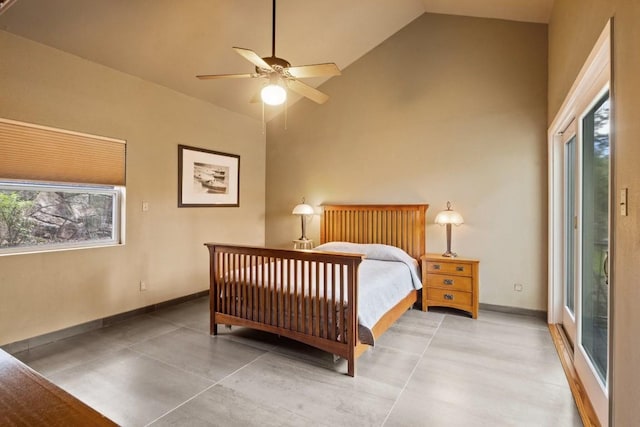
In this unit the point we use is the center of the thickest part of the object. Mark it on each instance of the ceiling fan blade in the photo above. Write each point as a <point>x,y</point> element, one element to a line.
<point>307,91</point>
<point>226,76</point>
<point>315,70</point>
<point>253,57</point>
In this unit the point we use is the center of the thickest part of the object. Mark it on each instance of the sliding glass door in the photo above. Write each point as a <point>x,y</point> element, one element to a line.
<point>581,222</point>
<point>586,228</point>
<point>594,325</point>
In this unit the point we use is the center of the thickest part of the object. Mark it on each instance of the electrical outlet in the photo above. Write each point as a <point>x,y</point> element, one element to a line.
<point>145,206</point>
<point>143,285</point>
<point>518,287</point>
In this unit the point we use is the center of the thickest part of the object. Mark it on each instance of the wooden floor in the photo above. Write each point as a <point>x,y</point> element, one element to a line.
<point>434,368</point>
<point>587,413</point>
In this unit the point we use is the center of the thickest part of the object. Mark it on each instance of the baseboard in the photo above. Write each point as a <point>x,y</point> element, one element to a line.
<point>50,337</point>
<point>585,409</point>
<point>151,308</point>
<point>515,310</point>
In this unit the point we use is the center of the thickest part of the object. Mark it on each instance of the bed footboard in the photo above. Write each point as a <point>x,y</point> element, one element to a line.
<point>309,296</point>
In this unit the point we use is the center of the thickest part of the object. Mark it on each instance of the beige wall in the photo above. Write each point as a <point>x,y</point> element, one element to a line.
<point>449,108</point>
<point>44,292</point>
<point>574,28</point>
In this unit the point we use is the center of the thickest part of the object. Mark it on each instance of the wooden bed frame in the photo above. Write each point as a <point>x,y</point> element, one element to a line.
<point>243,290</point>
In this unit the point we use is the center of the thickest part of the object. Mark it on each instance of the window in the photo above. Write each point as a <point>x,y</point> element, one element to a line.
<point>52,216</point>
<point>59,189</point>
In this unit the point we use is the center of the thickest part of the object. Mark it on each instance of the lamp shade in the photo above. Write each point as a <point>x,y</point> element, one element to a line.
<point>449,216</point>
<point>302,209</point>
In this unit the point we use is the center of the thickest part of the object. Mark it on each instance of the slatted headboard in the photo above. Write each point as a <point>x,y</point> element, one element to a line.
<point>397,225</point>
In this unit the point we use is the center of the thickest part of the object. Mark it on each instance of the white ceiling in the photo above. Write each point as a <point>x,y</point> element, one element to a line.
<point>168,42</point>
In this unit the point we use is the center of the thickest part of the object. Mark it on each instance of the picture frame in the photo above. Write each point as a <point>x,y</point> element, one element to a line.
<point>207,178</point>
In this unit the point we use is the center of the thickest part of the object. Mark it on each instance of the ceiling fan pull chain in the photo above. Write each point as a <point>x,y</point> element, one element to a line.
<point>264,124</point>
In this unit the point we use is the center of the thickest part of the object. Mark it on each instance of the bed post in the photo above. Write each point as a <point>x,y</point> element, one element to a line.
<point>213,299</point>
<point>352,309</point>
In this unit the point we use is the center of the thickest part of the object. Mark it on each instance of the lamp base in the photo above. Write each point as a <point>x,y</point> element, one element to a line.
<point>303,224</point>
<point>449,254</point>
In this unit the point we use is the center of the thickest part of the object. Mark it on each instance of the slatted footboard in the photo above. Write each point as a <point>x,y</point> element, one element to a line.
<point>308,296</point>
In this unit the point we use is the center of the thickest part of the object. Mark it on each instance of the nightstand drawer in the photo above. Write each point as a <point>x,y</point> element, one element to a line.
<point>455,283</point>
<point>456,268</point>
<point>449,297</point>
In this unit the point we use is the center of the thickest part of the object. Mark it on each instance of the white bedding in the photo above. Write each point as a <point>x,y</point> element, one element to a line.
<point>386,276</point>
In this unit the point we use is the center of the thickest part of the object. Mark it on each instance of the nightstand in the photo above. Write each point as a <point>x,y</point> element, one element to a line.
<point>303,244</point>
<point>450,282</point>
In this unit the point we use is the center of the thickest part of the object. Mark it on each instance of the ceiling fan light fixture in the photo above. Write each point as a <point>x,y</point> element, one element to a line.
<point>273,94</point>
<point>281,75</point>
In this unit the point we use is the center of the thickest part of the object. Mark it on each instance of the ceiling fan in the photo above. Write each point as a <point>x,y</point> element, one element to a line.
<point>280,74</point>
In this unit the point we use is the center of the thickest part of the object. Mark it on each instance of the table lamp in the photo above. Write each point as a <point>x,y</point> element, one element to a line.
<point>303,210</point>
<point>448,217</point>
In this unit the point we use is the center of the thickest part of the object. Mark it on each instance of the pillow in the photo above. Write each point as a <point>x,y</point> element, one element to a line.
<point>379,252</point>
<point>371,250</point>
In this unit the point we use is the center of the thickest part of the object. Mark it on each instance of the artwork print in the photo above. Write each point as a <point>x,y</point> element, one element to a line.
<point>207,178</point>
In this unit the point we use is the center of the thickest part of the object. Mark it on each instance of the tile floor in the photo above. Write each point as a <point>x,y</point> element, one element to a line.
<point>429,369</point>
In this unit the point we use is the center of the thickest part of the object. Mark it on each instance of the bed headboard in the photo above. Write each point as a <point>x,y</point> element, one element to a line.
<point>397,225</point>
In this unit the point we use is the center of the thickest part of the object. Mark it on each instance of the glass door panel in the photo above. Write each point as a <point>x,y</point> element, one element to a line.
<point>594,311</point>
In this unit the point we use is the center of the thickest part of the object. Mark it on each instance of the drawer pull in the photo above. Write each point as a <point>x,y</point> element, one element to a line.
<point>448,281</point>
<point>459,268</point>
<point>436,266</point>
<point>448,297</point>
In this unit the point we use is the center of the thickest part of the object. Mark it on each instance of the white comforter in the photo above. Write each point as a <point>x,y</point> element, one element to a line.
<point>386,276</point>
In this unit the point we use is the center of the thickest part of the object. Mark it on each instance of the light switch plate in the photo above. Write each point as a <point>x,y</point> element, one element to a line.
<point>623,202</point>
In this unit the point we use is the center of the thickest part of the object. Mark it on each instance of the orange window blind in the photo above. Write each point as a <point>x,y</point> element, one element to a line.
<point>38,153</point>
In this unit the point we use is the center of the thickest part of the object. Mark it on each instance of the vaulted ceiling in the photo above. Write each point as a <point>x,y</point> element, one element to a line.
<point>168,42</point>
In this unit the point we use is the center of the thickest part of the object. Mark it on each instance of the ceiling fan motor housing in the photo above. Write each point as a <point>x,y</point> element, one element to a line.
<point>276,63</point>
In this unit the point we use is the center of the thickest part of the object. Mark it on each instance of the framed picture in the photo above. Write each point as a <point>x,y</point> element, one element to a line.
<point>207,178</point>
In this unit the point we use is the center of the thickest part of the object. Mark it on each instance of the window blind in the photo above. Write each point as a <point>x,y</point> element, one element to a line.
<point>38,153</point>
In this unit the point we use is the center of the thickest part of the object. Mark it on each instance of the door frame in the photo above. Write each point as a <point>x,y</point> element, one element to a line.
<point>593,78</point>
<point>570,133</point>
